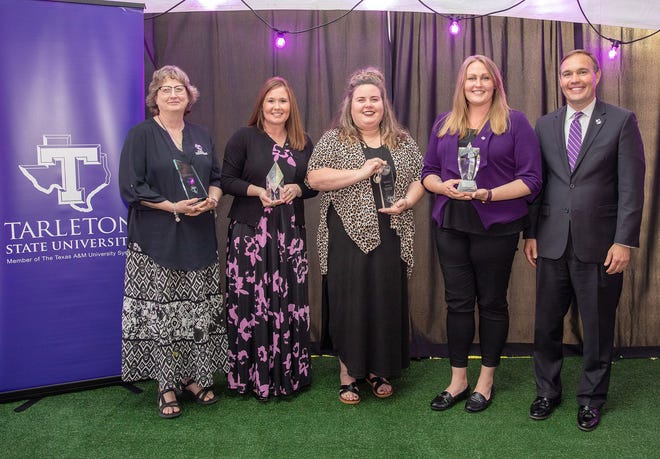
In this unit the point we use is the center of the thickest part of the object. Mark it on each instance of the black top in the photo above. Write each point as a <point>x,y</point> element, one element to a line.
<point>249,156</point>
<point>383,153</point>
<point>462,216</point>
<point>147,173</point>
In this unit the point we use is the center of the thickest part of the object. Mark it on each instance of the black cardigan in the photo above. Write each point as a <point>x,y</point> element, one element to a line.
<point>248,159</point>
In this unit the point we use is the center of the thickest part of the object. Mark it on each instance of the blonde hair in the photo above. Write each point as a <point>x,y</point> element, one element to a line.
<point>293,125</point>
<point>456,122</point>
<point>160,75</point>
<point>391,131</point>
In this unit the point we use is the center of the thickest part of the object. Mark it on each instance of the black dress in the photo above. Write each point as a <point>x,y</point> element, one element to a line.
<point>366,297</point>
<point>267,303</point>
<point>173,319</point>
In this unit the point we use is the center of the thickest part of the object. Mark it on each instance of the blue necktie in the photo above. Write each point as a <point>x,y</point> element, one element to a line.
<point>574,139</point>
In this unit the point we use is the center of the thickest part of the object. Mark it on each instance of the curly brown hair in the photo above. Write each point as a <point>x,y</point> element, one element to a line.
<point>160,75</point>
<point>391,131</point>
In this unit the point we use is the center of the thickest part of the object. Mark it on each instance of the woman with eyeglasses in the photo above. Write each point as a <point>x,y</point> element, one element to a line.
<point>173,326</point>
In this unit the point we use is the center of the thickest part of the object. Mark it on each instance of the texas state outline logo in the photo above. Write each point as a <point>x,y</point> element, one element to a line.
<point>77,171</point>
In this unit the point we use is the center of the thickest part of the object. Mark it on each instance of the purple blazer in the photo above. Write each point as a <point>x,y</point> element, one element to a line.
<point>513,155</point>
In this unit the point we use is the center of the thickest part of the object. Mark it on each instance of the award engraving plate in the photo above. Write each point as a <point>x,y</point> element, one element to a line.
<point>274,181</point>
<point>385,187</point>
<point>468,165</point>
<point>192,185</point>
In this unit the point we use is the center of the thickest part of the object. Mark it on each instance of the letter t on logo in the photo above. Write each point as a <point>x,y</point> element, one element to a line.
<point>59,149</point>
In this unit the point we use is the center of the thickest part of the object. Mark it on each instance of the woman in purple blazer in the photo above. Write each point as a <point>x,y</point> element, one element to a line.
<point>483,163</point>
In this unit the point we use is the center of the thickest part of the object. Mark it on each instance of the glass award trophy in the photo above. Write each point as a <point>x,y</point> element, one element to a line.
<point>192,185</point>
<point>274,181</point>
<point>468,165</point>
<point>385,187</point>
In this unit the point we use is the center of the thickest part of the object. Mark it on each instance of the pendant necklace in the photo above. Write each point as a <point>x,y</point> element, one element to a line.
<point>179,146</point>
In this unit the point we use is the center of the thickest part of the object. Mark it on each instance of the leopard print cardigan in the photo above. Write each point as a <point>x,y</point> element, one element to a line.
<point>355,203</point>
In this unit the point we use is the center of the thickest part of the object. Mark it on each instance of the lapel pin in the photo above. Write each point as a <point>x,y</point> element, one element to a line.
<point>483,138</point>
<point>598,121</point>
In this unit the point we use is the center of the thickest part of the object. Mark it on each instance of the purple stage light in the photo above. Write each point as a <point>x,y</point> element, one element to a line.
<point>614,50</point>
<point>280,41</point>
<point>454,28</point>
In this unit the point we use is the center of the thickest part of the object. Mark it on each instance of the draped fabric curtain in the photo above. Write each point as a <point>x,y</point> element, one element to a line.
<point>228,56</point>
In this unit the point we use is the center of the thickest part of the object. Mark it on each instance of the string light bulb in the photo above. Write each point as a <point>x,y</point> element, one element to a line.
<point>614,50</point>
<point>280,41</point>
<point>454,28</point>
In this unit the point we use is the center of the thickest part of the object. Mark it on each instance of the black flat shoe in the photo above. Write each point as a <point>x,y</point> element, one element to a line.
<point>477,402</point>
<point>444,400</point>
<point>542,407</point>
<point>588,418</point>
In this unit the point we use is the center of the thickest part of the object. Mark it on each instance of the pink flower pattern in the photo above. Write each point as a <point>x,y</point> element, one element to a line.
<point>266,300</point>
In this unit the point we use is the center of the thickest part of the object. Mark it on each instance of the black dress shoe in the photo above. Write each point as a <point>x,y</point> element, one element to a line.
<point>588,418</point>
<point>445,400</point>
<point>477,402</point>
<point>542,407</point>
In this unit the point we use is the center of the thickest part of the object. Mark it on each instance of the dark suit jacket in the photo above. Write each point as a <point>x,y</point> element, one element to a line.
<point>601,201</point>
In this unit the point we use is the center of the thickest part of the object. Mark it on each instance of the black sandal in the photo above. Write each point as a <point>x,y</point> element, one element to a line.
<point>200,396</point>
<point>376,382</point>
<point>162,404</point>
<point>353,389</point>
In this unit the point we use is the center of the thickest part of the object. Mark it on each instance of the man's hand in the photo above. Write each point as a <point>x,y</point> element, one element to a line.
<point>617,258</point>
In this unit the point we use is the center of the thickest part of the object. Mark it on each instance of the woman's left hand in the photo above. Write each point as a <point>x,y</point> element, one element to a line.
<point>397,208</point>
<point>289,192</point>
<point>194,207</point>
<point>481,194</point>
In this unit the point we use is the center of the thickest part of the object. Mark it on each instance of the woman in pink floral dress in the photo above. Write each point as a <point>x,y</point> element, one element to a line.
<point>267,301</point>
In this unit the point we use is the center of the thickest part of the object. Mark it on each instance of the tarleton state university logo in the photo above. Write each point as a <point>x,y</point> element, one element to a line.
<point>60,167</point>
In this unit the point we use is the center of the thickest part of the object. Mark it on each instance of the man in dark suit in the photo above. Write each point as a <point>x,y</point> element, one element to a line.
<point>583,226</point>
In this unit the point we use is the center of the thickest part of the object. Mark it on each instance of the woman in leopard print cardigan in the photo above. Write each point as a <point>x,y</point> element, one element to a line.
<point>365,248</point>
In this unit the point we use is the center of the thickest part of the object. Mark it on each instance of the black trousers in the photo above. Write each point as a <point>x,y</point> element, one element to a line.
<point>476,269</point>
<point>558,282</point>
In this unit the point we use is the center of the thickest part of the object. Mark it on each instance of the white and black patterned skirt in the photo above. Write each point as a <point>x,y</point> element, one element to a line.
<point>173,323</point>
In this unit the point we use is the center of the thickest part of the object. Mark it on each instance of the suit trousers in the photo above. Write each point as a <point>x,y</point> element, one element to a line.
<point>596,293</point>
<point>476,269</point>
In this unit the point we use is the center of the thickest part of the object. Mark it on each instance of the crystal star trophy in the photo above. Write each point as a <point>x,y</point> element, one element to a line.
<point>468,165</point>
<point>274,181</point>
<point>384,181</point>
<point>192,185</point>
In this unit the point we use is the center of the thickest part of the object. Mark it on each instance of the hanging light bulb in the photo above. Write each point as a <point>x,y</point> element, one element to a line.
<point>454,28</point>
<point>614,50</point>
<point>210,4</point>
<point>280,41</point>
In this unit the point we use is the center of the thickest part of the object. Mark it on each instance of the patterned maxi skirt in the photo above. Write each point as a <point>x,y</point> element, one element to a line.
<point>267,305</point>
<point>173,323</point>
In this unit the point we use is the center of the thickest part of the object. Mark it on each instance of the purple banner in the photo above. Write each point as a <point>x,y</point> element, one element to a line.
<point>72,87</point>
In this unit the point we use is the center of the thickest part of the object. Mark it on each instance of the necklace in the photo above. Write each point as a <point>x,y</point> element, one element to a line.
<point>178,144</point>
<point>375,140</point>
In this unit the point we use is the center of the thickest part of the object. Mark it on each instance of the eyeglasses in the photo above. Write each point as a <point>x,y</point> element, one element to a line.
<point>167,90</point>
